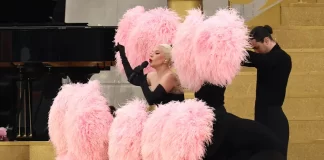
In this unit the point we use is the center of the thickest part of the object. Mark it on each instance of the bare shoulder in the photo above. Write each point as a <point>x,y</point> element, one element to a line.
<point>150,76</point>
<point>170,77</point>
<point>171,82</point>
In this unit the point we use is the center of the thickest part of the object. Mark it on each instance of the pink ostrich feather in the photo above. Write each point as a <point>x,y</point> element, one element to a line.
<point>66,157</point>
<point>127,23</point>
<point>87,123</point>
<point>220,47</point>
<point>153,127</point>
<point>182,51</point>
<point>125,26</point>
<point>3,132</point>
<point>56,118</point>
<point>187,131</point>
<point>126,131</point>
<point>156,26</point>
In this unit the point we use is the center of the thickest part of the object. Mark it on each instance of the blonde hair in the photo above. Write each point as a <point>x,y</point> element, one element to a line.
<point>167,49</point>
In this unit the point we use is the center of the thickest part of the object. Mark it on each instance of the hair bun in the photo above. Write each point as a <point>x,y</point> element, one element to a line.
<point>268,28</point>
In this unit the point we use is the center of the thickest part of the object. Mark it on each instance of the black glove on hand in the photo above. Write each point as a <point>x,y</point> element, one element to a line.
<point>121,49</point>
<point>139,70</point>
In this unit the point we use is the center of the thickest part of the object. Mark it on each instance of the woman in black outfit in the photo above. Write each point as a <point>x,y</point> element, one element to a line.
<point>273,69</point>
<point>158,87</point>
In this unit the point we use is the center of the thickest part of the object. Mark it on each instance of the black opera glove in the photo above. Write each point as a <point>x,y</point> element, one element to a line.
<point>139,77</point>
<point>121,49</point>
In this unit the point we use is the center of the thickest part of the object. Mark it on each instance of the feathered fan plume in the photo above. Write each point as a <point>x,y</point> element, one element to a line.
<point>182,52</point>
<point>187,130</point>
<point>156,26</point>
<point>220,47</point>
<point>125,26</point>
<point>126,131</point>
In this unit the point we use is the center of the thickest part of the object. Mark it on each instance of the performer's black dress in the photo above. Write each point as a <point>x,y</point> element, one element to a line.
<point>158,96</point>
<point>273,70</point>
<point>235,138</point>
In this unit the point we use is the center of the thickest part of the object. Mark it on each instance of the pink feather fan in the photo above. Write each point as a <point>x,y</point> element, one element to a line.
<point>151,137</point>
<point>126,131</point>
<point>127,23</point>
<point>182,52</point>
<point>125,26</point>
<point>66,157</point>
<point>87,123</point>
<point>56,119</point>
<point>154,27</point>
<point>3,134</point>
<point>220,47</point>
<point>187,131</point>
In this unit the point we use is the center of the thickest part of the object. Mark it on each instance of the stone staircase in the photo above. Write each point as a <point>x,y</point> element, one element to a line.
<point>301,34</point>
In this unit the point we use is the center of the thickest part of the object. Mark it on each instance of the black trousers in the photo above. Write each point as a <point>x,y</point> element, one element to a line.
<point>268,155</point>
<point>236,138</point>
<point>262,155</point>
<point>274,118</point>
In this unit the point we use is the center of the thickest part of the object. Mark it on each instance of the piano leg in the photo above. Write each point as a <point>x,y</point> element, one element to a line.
<point>27,73</point>
<point>21,100</point>
<point>29,90</point>
<point>25,110</point>
<point>25,114</point>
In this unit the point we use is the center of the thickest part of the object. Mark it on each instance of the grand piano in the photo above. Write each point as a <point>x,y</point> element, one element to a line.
<point>36,52</point>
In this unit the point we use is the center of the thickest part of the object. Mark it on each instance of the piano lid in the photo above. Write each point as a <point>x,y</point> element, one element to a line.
<point>56,43</point>
<point>32,11</point>
<point>56,26</point>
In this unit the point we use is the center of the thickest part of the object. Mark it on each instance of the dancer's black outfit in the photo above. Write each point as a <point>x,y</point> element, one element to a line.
<point>159,95</point>
<point>235,138</point>
<point>273,70</point>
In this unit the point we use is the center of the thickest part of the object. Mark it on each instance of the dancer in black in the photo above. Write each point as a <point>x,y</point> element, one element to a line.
<point>167,86</point>
<point>273,69</point>
<point>235,138</point>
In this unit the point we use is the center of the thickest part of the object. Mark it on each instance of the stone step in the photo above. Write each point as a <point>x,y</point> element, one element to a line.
<point>302,14</point>
<point>298,1</point>
<point>303,60</point>
<point>295,108</point>
<point>44,151</point>
<point>306,116</point>
<point>294,37</point>
<point>306,151</point>
<point>299,86</point>
<point>306,123</point>
<point>37,150</point>
<point>305,131</point>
